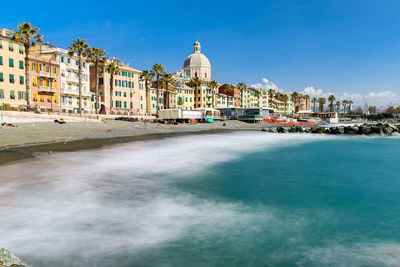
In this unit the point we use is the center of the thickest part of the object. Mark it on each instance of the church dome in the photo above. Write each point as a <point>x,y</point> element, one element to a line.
<point>197,59</point>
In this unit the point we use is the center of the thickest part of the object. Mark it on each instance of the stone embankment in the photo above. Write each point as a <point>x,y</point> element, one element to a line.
<point>378,129</point>
<point>7,259</point>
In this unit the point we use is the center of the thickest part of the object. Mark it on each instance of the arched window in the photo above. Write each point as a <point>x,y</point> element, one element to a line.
<point>195,74</point>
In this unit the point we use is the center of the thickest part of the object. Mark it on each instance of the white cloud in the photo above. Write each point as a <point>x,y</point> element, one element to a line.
<point>379,99</point>
<point>266,85</point>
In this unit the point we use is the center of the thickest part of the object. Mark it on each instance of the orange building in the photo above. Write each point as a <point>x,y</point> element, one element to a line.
<point>45,92</point>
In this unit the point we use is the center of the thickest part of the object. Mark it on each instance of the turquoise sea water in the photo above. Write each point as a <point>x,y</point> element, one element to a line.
<point>241,199</point>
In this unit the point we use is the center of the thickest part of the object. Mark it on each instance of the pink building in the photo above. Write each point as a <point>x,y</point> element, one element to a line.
<point>45,93</point>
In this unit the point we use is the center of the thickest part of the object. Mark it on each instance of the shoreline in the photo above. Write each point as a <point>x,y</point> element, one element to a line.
<point>23,152</point>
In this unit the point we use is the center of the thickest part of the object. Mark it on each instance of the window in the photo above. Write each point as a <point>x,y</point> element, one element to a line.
<point>1,94</point>
<point>21,49</point>
<point>131,105</point>
<point>124,94</point>
<point>68,60</point>
<point>21,64</point>
<point>10,46</point>
<point>11,62</point>
<point>118,104</point>
<point>11,78</point>
<point>101,81</point>
<point>62,59</point>
<point>1,44</point>
<point>1,77</point>
<point>124,104</point>
<point>1,60</point>
<point>12,95</point>
<point>21,95</point>
<point>21,79</point>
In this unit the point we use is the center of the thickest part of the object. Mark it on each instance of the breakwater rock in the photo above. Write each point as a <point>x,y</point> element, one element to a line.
<point>7,259</point>
<point>378,129</point>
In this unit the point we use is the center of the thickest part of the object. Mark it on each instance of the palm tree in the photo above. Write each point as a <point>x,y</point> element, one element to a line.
<point>213,85</point>
<point>331,99</point>
<point>271,94</point>
<point>258,94</point>
<point>96,56</point>
<point>80,48</point>
<point>228,88</point>
<point>285,99</point>
<point>337,106</point>
<point>307,97</point>
<point>147,76</point>
<point>321,102</point>
<point>158,70</point>
<point>344,103</point>
<point>350,103</point>
<point>195,82</point>
<point>167,80</point>
<point>314,101</point>
<point>113,69</point>
<point>241,86</point>
<point>28,35</point>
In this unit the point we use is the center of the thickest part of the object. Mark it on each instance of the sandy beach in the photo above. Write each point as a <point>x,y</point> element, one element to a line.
<point>22,141</point>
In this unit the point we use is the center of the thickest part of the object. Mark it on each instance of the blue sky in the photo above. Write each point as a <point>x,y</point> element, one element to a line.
<point>349,48</point>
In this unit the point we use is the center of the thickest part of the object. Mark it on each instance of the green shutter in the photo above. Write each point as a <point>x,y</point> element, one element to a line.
<point>1,44</point>
<point>11,78</point>
<point>21,79</point>
<point>124,104</point>
<point>124,94</point>
<point>11,62</point>
<point>116,82</point>
<point>1,60</point>
<point>12,95</point>
<point>1,77</point>
<point>10,46</point>
<point>21,64</point>
<point>1,92</point>
<point>21,49</point>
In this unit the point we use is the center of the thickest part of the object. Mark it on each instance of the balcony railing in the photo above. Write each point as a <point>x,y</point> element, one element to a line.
<point>47,74</point>
<point>47,89</point>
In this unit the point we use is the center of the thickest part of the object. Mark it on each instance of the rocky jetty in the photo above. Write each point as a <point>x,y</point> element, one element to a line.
<point>7,259</point>
<point>375,129</point>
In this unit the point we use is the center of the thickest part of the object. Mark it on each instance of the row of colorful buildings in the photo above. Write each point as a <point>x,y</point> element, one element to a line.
<point>54,82</point>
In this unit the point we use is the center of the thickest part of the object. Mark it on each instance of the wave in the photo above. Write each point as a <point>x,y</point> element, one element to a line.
<point>78,208</point>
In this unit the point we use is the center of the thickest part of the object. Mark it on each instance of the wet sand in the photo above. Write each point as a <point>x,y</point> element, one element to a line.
<point>29,138</point>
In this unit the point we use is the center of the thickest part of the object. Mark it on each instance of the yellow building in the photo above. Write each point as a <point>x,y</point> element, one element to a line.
<point>185,97</point>
<point>12,71</point>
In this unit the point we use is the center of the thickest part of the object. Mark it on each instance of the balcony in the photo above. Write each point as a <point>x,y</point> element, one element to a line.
<point>72,79</point>
<point>71,66</point>
<point>47,89</point>
<point>209,94</point>
<point>75,92</point>
<point>47,74</point>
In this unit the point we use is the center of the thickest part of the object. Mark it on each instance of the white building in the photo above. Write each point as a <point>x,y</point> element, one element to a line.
<point>69,79</point>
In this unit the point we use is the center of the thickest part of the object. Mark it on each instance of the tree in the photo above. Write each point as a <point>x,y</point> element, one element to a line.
<point>314,100</point>
<point>213,85</point>
<point>195,82</point>
<point>359,110</point>
<point>344,103</point>
<point>241,86</point>
<point>321,102</point>
<point>113,69</point>
<point>331,99</point>
<point>271,95</point>
<point>79,47</point>
<point>167,80</point>
<point>97,57</point>
<point>228,88</point>
<point>350,103</point>
<point>338,104</point>
<point>372,109</point>
<point>391,110</point>
<point>258,94</point>
<point>147,76</point>
<point>158,70</point>
<point>285,99</point>
<point>307,97</point>
<point>28,35</point>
